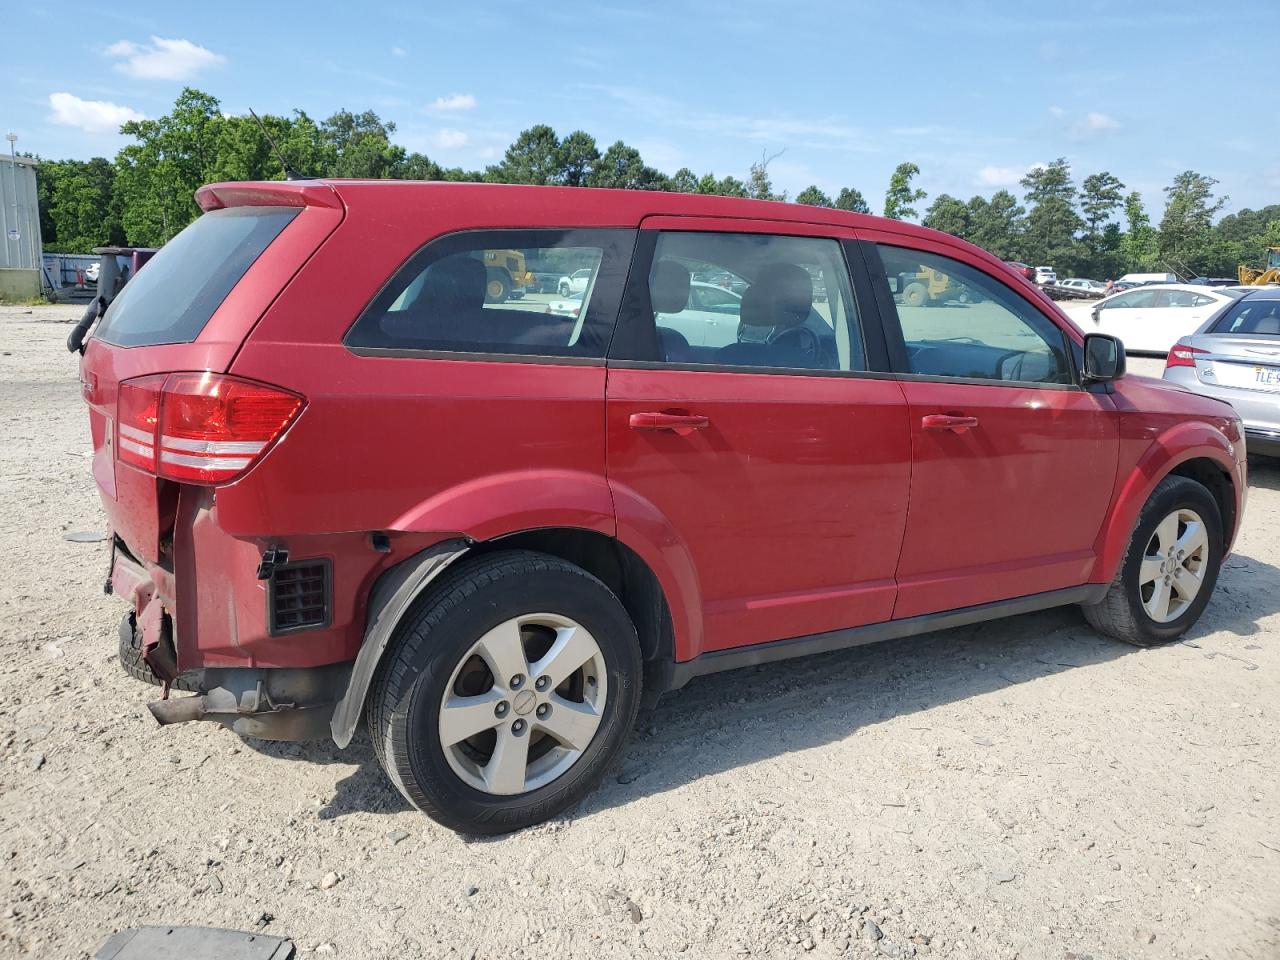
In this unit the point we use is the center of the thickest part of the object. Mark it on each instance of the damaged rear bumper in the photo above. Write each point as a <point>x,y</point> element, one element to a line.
<point>267,703</point>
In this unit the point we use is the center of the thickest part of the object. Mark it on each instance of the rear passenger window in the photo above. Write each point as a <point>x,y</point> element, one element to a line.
<point>958,322</point>
<point>540,293</point>
<point>749,300</point>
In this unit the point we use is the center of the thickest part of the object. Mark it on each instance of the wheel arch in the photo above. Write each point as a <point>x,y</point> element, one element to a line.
<point>1192,449</point>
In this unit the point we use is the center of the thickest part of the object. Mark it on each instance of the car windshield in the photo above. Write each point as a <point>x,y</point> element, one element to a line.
<point>1251,318</point>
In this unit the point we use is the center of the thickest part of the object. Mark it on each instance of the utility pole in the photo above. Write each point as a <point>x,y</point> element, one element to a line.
<point>13,183</point>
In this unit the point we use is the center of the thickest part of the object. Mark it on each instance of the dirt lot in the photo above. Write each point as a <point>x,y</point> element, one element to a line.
<point>1018,789</point>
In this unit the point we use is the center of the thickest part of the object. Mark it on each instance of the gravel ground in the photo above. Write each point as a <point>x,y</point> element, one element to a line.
<point>1015,789</point>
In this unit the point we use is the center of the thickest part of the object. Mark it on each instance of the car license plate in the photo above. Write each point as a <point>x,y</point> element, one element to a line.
<point>1252,376</point>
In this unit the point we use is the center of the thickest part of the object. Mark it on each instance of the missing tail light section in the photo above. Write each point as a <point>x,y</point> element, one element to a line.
<point>298,596</point>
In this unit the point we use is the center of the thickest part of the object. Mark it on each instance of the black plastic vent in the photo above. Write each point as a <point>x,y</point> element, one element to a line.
<point>298,598</point>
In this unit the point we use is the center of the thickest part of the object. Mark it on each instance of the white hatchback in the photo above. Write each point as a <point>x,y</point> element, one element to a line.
<point>1152,318</point>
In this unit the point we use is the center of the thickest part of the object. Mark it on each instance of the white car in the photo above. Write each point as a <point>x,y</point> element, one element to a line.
<point>1046,275</point>
<point>569,307</point>
<point>1152,318</point>
<point>91,271</point>
<point>575,282</point>
<point>1079,283</point>
<point>710,317</point>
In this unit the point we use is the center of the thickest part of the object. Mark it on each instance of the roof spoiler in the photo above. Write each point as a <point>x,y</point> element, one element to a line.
<point>268,193</point>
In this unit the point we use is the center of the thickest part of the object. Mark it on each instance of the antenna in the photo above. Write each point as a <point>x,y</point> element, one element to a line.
<point>289,172</point>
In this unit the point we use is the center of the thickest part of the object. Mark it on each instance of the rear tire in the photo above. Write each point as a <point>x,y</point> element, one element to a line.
<point>1169,569</point>
<point>916,294</point>
<point>529,745</point>
<point>133,664</point>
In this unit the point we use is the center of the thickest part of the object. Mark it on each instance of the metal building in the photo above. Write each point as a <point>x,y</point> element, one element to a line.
<point>20,243</point>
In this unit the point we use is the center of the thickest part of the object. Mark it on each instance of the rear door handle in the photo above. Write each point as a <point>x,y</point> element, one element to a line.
<point>679,423</point>
<point>948,421</point>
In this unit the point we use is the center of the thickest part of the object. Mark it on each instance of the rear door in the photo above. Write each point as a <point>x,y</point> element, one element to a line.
<point>1012,462</point>
<point>777,462</point>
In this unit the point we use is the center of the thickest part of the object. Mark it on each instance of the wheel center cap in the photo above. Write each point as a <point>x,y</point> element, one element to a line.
<point>524,702</point>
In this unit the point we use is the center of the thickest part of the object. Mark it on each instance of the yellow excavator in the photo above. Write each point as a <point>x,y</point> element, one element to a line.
<point>1251,276</point>
<point>506,275</point>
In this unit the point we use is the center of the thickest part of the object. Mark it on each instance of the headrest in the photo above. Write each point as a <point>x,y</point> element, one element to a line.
<point>454,283</point>
<point>669,286</point>
<point>781,297</point>
<point>1268,324</point>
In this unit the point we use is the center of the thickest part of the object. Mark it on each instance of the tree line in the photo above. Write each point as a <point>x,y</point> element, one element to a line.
<point>1100,229</point>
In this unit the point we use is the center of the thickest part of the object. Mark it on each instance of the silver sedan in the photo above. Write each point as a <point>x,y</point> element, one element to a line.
<point>1235,356</point>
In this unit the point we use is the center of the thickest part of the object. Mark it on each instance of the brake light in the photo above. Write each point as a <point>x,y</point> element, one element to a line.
<point>1183,355</point>
<point>199,427</point>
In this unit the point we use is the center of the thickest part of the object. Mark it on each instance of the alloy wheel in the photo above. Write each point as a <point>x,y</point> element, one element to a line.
<point>1173,565</point>
<point>523,704</point>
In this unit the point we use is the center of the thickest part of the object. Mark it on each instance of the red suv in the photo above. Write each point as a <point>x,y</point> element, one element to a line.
<point>343,484</point>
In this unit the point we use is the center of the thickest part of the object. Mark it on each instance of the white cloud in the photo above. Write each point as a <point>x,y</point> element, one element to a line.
<point>399,52</point>
<point>163,59</point>
<point>450,139</point>
<point>992,176</point>
<point>455,101</point>
<point>92,116</point>
<point>1100,121</point>
<point>1086,126</point>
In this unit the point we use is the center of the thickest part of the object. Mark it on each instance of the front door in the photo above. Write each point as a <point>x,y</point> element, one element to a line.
<point>1012,461</point>
<point>777,465</point>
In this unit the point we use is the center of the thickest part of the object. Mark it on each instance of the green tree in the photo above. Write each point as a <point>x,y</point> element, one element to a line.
<point>759,184</point>
<point>1185,229</point>
<point>534,157</point>
<point>622,167</point>
<point>684,180</point>
<point>852,200</point>
<point>361,146</point>
<point>949,215</point>
<point>1052,221</point>
<point>997,225</point>
<point>1101,195</point>
<point>814,197</point>
<point>900,198</point>
<point>1140,246</point>
<point>78,209</point>
<point>577,159</point>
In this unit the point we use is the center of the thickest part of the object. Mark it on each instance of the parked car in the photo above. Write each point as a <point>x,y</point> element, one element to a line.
<point>1079,283</point>
<point>489,533</point>
<point>91,271</point>
<point>1152,317</point>
<point>575,282</point>
<point>1023,269</point>
<point>1141,278</point>
<point>1045,275</point>
<point>570,307</point>
<point>1235,356</point>
<point>1214,281</point>
<point>709,316</point>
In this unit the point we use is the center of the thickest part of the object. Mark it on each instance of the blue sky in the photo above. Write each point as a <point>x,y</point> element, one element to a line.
<point>973,92</point>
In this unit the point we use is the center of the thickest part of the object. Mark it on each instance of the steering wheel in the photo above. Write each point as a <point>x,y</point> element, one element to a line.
<point>802,340</point>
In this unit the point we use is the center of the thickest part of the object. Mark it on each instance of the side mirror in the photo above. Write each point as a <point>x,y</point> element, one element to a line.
<point>1103,358</point>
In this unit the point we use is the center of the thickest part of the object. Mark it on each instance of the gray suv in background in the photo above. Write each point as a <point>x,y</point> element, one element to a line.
<point>1235,356</point>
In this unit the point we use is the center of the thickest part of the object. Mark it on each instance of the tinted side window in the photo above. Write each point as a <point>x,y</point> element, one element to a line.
<point>754,300</point>
<point>480,292</point>
<point>1139,298</point>
<point>958,322</point>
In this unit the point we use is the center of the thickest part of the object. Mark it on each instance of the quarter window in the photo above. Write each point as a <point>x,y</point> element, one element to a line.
<point>547,293</point>
<point>750,300</point>
<point>958,322</point>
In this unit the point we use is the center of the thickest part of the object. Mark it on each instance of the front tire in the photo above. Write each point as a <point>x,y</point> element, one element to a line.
<point>510,688</point>
<point>1169,570</point>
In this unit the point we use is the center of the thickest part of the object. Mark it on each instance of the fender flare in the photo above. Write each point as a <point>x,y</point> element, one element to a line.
<point>1190,440</point>
<point>392,595</point>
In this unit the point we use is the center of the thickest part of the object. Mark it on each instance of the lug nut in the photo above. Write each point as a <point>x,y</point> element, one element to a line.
<point>541,682</point>
<point>517,681</point>
<point>544,710</point>
<point>518,727</point>
<point>500,710</point>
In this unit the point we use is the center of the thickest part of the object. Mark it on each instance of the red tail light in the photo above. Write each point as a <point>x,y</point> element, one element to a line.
<point>199,427</point>
<point>1183,355</point>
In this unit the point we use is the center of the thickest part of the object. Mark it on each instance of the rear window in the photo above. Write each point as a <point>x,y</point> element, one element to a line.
<point>174,295</point>
<point>1251,318</point>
